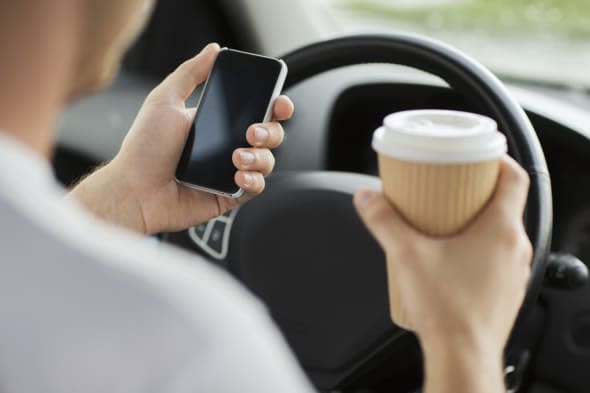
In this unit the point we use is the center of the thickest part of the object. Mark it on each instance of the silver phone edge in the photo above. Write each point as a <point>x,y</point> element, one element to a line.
<point>267,117</point>
<point>236,195</point>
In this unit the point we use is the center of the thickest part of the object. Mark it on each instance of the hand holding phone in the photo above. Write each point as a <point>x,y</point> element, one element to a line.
<point>239,92</point>
<point>138,189</point>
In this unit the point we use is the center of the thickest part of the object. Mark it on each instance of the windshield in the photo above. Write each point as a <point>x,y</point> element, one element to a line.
<point>541,41</point>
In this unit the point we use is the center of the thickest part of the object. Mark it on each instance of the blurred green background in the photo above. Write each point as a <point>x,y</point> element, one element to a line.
<point>565,18</point>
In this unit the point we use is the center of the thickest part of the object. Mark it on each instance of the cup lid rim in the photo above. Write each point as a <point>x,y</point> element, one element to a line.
<point>481,142</point>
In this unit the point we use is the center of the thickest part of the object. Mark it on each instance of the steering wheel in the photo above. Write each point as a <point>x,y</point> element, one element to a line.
<point>302,249</point>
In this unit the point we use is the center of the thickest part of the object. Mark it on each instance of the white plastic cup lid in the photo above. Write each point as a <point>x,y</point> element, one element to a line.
<point>439,136</point>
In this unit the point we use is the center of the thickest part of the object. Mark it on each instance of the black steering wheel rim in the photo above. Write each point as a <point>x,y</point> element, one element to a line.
<point>321,308</point>
<point>472,79</point>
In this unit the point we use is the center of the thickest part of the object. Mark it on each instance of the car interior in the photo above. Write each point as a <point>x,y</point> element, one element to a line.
<point>323,277</point>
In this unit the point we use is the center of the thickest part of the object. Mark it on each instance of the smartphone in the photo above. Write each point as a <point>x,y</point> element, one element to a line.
<point>240,91</point>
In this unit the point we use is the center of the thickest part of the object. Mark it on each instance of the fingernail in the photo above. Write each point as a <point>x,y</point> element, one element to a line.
<point>362,198</point>
<point>209,47</point>
<point>246,157</point>
<point>248,179</point>
<point>261,134</point>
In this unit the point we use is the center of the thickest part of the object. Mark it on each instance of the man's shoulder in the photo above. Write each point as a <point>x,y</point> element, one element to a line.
<point>77,288</point>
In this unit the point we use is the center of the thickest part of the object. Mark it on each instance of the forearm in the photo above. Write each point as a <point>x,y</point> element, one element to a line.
<point>462,366</point>
<point>106,195</point>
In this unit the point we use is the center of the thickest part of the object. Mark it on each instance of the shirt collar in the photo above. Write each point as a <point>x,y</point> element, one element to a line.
<point>22,167</point>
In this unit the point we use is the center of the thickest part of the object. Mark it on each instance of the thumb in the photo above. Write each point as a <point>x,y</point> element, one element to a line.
<point>382,219</point>
<point>181,83</point>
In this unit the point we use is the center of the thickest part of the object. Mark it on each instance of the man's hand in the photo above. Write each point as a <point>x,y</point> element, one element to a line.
<point>137,189</point>
<point>461,294</point>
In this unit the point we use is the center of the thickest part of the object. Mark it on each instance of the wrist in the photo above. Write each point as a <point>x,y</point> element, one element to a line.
<point>106,194</point>
<point>463,363</point>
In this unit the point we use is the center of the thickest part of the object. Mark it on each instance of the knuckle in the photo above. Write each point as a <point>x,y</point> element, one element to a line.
<point>518,175</point>
<point>515,240</point>
<point>527,251</point>
<point>511,234</point>
<point>377,214</point>
<point>404,252</point>
<point>378,210</point>
<point>522,177</point>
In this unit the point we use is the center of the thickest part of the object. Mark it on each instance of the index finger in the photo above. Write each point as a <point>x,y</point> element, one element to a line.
<point>512,188</point>
<point>384,221</point>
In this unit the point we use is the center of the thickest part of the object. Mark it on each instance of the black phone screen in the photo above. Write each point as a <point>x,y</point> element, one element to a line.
<point>237,94</point>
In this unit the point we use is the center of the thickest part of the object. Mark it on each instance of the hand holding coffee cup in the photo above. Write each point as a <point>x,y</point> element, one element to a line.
<point>438,169</point>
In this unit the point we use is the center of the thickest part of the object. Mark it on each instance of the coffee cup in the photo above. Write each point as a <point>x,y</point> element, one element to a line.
<point>438,169</point>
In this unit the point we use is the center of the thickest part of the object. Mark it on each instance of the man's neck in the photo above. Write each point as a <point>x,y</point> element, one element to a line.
<point>38,135</point>
<point>34,71</point>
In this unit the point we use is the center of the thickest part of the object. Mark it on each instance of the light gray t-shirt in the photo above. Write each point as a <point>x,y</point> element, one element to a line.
<point>87,307</point>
